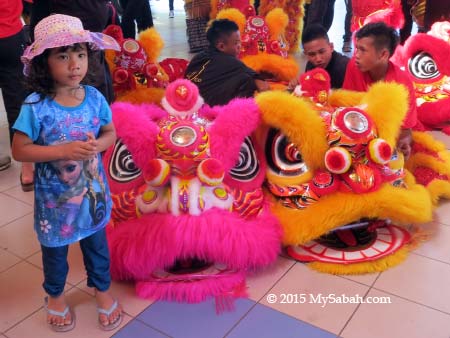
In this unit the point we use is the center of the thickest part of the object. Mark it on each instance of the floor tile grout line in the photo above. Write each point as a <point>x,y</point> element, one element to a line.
<point>20,261</point>
<point>6,193</point>
<point>353,313</point>
<point>23,319</point>
<point>31,255</point>
<point>154,302</point>
<point>441,223</point>
<point>240,319</point>
<point>431,258</point>
<point>377,278</point>
<point>411,300</point>
<point>9,267</point>
<point>352,280</point>
<point>257,302</point>
<point>404,298</point>
<point>15,219</point>
<point>277,281</point>
<point>148,325</point>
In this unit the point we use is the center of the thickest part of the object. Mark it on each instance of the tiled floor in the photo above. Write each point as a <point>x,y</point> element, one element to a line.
<point>418,289</point>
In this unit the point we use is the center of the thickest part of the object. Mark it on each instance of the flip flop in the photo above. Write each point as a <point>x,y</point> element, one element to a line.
<point>26,186</point>
<point>113,325</point>
<point>60,328</point>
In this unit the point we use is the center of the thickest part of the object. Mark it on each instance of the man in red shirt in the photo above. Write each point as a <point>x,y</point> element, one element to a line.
<point>375,44</point>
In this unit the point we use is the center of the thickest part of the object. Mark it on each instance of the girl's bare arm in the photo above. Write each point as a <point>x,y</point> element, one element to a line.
<point>24,150</point>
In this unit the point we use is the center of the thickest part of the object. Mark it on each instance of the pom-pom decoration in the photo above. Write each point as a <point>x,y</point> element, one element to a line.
<point>182,98</point>
<point>120,76</point>
<point>157,172</point>
<point>379,151</point>
<point>210,172</point>
<point>338,160</point>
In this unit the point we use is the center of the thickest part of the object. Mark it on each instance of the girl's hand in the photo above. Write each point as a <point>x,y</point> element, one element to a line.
<point>79,150</point>
<point>92,140</point>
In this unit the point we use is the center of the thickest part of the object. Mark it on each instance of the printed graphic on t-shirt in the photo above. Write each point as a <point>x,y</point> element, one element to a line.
<point>73,198</point>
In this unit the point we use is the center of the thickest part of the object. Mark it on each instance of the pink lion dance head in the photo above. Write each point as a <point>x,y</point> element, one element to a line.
<point>189,215</point>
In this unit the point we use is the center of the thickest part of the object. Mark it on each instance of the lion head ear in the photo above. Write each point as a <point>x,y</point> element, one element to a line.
<point>152,43</point>
<point>235,15</point>
<point>277,20</point>
<point>387,104</point>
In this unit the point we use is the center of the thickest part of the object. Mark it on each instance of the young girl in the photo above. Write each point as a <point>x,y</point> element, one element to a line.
<point>63,127</point>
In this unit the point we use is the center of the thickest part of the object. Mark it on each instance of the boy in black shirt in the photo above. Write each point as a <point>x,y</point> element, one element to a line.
<point>217,71</point>
<point>320,53</point>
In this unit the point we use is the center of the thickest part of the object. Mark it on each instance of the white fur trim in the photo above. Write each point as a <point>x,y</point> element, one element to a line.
<point>194,195</point>
<point>174,183</point>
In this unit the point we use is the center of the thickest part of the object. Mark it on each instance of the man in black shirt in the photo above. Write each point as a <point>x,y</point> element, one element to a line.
<point>320,53</point>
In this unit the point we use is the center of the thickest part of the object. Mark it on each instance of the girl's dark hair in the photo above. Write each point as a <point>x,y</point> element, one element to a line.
<point>40,80</point>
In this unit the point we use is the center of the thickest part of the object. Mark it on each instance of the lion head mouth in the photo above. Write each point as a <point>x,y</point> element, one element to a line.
<point>361,241</point>
<point>191,269</point>
<point>353,236</point>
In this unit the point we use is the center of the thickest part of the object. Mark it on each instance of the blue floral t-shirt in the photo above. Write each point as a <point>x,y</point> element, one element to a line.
<point>72,199</point>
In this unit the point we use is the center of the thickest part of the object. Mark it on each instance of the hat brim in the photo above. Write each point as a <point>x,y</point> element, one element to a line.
<point>96,41</point>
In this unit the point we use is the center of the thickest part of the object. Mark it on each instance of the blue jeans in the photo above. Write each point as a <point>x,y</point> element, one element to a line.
<point>96,261</point>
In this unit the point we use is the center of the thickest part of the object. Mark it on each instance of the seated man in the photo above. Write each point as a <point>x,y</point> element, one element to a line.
<point>375,44</point>
<point>320,53</point>
<point>217,71</point>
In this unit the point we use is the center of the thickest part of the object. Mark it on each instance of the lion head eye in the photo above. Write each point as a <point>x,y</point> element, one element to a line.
<point>247,167</point>
<point>283,157</point>
<point>422,66</point>
<point>121,166</point>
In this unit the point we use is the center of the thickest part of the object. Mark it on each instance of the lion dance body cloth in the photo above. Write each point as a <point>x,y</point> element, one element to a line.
<point>189,218</point>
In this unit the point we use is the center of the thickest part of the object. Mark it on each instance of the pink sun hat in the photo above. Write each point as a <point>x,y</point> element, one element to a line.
<point>59,30</point>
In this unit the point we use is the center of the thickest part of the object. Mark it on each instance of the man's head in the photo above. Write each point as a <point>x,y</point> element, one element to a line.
<point>375,44</point>
<point>316,45</point>
<point>224,35</point>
